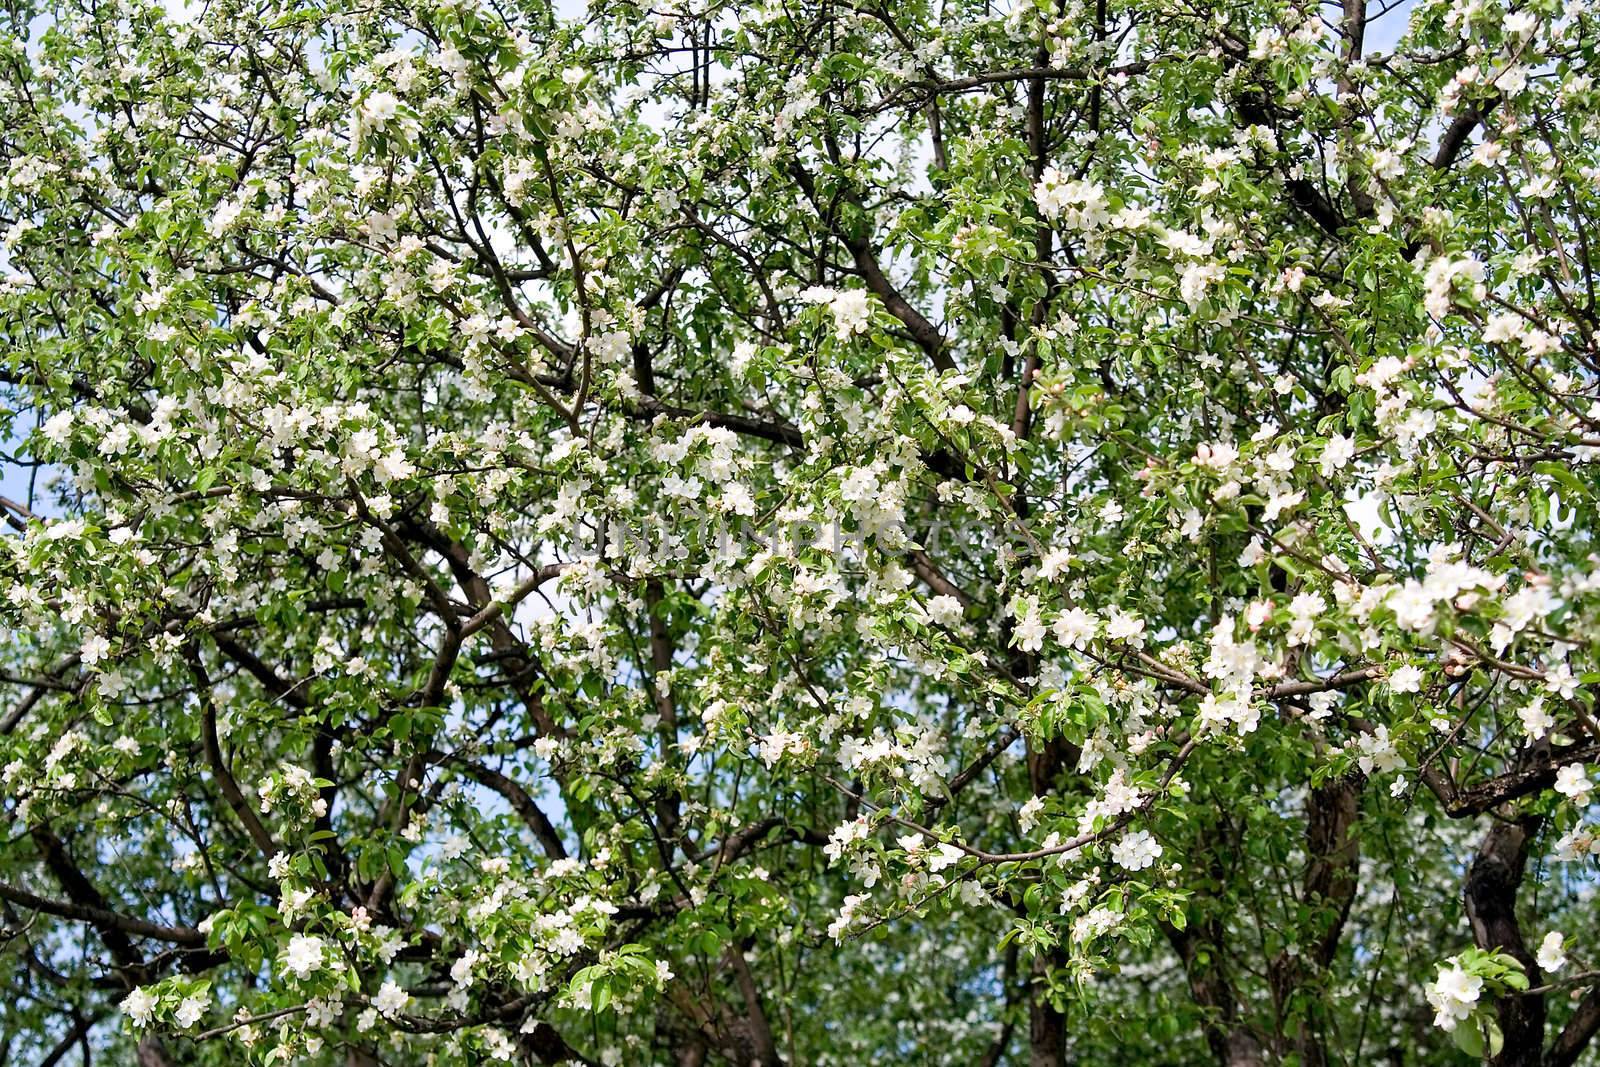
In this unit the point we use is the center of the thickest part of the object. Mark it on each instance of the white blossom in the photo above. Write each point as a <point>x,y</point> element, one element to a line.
<point>1552,955</point>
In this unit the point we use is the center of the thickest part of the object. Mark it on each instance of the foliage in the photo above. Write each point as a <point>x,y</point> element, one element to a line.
<point>799,533</point>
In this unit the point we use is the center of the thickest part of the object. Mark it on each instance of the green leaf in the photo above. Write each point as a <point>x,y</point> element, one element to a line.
<point>1469,1038</point>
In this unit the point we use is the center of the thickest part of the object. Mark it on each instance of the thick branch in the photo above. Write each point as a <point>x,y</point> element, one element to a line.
<point>1578,1032</point>
<point>923,332</point>
<point>117,925</point>
<point>1528,777</point>
<point>219,766</point>
<point>524,805</point>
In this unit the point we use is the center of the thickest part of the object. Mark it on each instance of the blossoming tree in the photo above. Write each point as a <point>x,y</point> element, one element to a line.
<point>801,533</point>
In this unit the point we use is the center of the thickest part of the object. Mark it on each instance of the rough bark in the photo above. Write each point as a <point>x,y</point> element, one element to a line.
<point>1491,899</point>
<point>1200,949</point>
<point>1329,886</point>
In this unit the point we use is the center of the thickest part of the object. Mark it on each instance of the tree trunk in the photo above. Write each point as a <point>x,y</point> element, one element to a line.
<point>1491,899</point>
